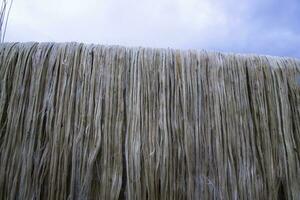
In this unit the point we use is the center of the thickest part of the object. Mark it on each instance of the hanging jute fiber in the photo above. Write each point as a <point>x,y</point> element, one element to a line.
<point>107,122</point>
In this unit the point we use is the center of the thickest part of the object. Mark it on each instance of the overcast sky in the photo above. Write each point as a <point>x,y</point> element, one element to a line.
<point>269,27</point>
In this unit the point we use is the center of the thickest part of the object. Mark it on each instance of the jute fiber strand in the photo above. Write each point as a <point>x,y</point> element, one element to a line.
<point>107,122</point>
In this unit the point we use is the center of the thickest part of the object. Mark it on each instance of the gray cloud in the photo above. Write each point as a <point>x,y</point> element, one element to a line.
<point>245,26</point>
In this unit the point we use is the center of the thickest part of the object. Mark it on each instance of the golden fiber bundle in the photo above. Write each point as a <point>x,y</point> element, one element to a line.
<point>107,122</point>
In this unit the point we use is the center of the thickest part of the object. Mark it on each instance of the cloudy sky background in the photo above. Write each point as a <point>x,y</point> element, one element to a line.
<point>269,27</point>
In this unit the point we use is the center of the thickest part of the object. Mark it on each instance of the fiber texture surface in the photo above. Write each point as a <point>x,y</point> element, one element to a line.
<point>106,122</point>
